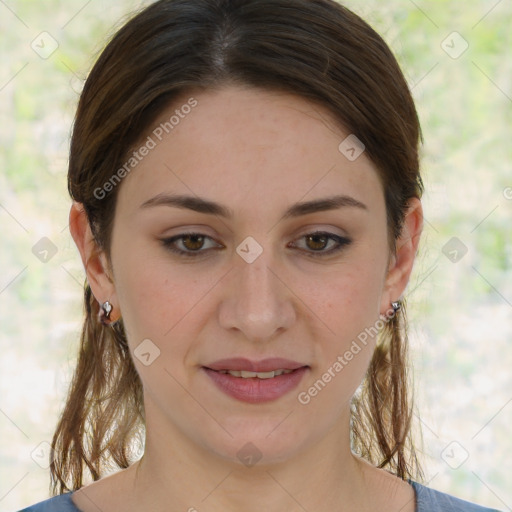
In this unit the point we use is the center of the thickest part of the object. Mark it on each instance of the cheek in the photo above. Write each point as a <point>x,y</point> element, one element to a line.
<point>156,297</point>
<point>350,296</point>
<point>349,310</point>
<point>348,305</point>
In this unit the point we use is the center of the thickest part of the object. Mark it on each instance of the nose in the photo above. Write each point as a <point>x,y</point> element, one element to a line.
<point>258,300</point>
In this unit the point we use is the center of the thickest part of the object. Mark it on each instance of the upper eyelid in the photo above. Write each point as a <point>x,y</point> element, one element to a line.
<point>180,236</point>
<point>200,231</point>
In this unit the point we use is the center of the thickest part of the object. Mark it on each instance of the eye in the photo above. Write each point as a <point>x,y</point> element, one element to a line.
<point>319,240</point>
<point>194,243</point>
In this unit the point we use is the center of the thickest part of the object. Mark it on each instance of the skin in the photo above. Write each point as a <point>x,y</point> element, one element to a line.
<point>257,152</point>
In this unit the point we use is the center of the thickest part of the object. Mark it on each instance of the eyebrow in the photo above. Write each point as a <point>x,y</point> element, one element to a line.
<point>201,205</point>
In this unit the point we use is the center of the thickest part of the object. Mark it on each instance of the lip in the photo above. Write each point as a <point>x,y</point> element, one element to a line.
<point>255,390</point>
<point>266,365</point>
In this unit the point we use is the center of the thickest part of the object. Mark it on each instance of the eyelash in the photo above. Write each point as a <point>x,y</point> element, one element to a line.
<point>341,241</point>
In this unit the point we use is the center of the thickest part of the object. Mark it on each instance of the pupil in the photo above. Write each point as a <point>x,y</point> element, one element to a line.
<point>196,238</point>
<point>322,237</point>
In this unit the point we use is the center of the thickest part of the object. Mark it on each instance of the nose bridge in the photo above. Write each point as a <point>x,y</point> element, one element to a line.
<point>259,305</point>
<point>257,282</point>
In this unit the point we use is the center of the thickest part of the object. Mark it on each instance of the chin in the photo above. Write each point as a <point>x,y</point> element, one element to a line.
<point>266,444</point>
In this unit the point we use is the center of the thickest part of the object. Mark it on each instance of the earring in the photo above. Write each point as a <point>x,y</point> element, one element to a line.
<point>396,305</point>
<point>106,309</point>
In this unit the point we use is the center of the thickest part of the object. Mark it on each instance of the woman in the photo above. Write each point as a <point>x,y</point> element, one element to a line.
<point>247,206</point>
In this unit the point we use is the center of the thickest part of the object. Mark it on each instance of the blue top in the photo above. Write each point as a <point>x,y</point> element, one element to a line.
<point>427,500</point>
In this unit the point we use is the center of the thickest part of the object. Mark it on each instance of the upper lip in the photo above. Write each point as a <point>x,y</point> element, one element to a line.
<point>265,365</point>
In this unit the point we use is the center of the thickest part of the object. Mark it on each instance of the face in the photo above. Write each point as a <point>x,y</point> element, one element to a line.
<point>275,272</point>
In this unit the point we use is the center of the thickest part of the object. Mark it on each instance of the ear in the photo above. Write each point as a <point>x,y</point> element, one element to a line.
<point>401,263</point>
<point>93,258</point>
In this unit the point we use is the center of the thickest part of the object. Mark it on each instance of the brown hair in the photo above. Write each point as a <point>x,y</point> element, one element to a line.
<point>316,49</point>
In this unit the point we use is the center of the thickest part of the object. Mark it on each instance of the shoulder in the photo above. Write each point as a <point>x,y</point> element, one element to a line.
<point>430,500</point>
<point>61,503</point>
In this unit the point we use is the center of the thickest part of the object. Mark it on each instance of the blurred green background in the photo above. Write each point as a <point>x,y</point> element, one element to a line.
<point>457,57</point>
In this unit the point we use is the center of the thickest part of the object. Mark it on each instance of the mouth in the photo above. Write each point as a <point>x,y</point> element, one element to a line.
<point>256,386</point>
<point>259,375</point>
<point>241,364</point>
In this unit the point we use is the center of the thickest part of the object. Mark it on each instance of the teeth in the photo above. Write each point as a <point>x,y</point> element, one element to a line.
<point>260,375</point>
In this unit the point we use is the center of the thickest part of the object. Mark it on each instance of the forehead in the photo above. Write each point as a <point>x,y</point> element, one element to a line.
<point>249,149</point>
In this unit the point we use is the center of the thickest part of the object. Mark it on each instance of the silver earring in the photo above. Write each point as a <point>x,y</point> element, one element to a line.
<point>106,309</point>
<point>396,305</point>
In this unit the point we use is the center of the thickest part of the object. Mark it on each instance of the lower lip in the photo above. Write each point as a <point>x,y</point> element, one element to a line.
<point>255,390</point>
